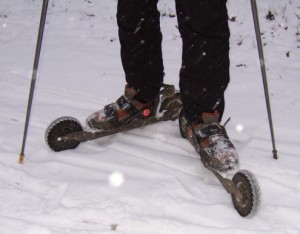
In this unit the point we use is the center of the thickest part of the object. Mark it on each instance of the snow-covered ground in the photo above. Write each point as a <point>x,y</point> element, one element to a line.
<point>148,180</point>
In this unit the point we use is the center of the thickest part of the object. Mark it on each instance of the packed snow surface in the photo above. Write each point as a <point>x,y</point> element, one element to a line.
<point>148,180</point>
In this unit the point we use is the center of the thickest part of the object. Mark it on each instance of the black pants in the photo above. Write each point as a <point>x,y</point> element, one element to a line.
<point>204,75</point>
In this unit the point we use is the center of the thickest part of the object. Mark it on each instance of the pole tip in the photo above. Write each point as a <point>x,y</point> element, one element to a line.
<point>275,156</point>
<point>21,159</point>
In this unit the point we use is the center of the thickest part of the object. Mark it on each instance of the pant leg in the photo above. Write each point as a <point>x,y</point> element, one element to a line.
<point>141,53</point>
<point>204,74</point>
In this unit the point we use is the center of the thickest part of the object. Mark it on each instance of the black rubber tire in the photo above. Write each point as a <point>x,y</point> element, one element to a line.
<point>249,187</point>
<point>60,127</point>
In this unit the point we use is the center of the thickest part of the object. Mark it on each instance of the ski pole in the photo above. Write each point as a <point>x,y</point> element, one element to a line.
<point>263,72</point>
<point>34,74</point>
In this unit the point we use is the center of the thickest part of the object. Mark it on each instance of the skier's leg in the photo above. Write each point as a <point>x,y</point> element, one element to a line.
<point>204,75</point>
<point>141,55</point>
<point>140,38</point>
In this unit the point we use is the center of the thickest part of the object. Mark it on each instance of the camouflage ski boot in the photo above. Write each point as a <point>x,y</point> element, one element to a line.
<point>211,141</point>
<point>127,112</point>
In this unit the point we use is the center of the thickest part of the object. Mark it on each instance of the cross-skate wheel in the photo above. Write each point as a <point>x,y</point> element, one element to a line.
<point>59,128</point>
<point>249,187</point>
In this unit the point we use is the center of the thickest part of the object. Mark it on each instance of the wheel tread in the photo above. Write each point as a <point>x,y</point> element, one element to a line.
<point>54,125</point>
<point>255,192</point>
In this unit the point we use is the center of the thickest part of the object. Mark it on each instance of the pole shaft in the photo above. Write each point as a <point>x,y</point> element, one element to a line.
<point>263,72</point>
<point>34,74</point>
